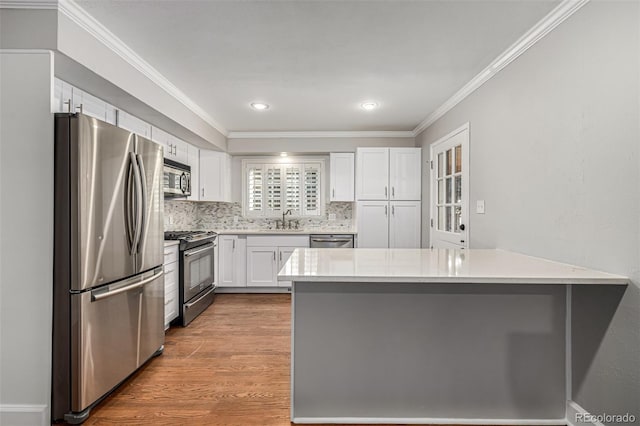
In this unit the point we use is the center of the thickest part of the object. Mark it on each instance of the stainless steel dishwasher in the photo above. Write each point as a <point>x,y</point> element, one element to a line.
<point>331,241</point>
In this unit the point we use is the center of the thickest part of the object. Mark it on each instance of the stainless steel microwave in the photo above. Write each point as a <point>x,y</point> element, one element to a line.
<point>177,179</point>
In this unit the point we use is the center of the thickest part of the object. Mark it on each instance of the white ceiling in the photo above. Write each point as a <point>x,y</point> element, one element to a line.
<point>314,62</point>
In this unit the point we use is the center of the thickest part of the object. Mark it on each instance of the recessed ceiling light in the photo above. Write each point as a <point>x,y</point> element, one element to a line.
<point>369,105</point>
<point>259,106</point>
<point>283,154</point>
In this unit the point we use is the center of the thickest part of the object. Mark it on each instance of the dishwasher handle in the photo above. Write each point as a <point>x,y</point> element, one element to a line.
<point>330,240</point>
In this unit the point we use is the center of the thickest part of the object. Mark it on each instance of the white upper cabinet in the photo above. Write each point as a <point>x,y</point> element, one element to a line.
<point>174,148</point>
<point>71,99</point>
<point>404,224</point>
<point>342,176</point>
<point>372,174</point>
<point>133,124</point>
<point>215,176</point>
<point>388,173</point>
<point>405,173</point>
<point>193,160</point>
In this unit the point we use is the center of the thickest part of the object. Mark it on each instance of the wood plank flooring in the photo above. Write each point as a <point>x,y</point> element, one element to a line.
<point>230,366</point>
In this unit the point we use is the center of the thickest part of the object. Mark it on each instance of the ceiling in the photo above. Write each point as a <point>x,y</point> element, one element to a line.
<point>315,62</point>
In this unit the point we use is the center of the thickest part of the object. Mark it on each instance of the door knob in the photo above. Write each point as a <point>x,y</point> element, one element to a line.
<point>462,227</point>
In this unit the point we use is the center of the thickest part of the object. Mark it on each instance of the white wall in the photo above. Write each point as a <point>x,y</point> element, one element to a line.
<point>311,145</point>
<point>26,236</point>
<point>554,151</point>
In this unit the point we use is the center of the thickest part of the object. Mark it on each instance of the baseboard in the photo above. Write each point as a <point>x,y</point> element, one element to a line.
<point>429,421</point>
<point>24,415</point>
<point>576,414</point>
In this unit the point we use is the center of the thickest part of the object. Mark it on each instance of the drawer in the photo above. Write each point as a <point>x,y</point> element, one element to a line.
<point>278,240</point>
<point>171,254</point>
<point>171,278</point>
<point>170,306</point>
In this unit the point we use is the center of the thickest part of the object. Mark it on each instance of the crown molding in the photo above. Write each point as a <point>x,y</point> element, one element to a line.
<point>321,134</point>
<point>87,22</point>
<point>554,18</point>
<point>29,4</point>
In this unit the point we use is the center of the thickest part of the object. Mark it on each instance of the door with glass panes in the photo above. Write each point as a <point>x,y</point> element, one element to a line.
<point>450,190</point>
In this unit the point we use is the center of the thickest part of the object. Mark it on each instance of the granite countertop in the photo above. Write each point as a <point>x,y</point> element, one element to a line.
<point>436,266</point>
<point>168,243</point>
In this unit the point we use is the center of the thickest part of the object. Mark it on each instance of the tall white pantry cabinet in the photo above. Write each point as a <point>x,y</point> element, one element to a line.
<point>388,192</point>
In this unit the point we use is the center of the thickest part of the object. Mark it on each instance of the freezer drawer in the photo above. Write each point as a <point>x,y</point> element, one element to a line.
<point>114,330</point>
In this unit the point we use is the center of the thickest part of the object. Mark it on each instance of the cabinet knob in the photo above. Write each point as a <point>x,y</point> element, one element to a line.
<point>462,227</point>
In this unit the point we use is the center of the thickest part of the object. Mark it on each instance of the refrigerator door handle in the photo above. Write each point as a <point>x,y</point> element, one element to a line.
<point>143,181</point>
<point>138,202</point>
<point>99,296</point>
<point>128,206</point>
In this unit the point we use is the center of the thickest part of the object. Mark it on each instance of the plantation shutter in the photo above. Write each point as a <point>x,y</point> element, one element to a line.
<point>293,191</point>
<point>311,190</point>
<point>273,188</point>
<point>255,184</point>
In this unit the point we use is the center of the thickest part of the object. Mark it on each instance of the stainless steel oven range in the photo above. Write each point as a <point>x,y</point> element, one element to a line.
<point>196,284</point>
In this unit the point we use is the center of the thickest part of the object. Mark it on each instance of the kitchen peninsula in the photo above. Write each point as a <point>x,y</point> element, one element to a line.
<point>432,336</point>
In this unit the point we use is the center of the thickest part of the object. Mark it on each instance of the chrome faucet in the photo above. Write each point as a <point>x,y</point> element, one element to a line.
<point>283,215</point>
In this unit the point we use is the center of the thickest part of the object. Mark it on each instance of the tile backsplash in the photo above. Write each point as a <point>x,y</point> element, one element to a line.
<point>190,215</point>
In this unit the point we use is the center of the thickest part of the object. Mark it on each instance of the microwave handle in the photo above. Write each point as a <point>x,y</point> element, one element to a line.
<point>183,183</point>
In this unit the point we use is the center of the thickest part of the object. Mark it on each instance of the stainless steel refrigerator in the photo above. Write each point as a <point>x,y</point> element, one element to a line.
<point>108,313</point>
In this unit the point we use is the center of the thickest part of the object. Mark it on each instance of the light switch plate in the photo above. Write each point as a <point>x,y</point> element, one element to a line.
<point>332,216</point>
<point>480,206</point>
<point>236,219</point>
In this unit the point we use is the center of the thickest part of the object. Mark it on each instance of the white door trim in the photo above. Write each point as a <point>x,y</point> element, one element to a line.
<point>465,179</point>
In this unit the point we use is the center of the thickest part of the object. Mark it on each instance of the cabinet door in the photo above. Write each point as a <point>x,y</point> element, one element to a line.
<point>89,105</point>
<point>194,162</point>
<point>284,253</point>
<point>262,266</point>
<point>231,261</point>
<point>63,96</point>
<point>404,224</point>
<point>215,176</point>
<point>133,124</point>
<point>373,224</point>
<point>226,178</point>
<point>372,174</point>
<point>170,293</point>
<point>342,176</point>
<point>181,149</point>
<point>405,173</point>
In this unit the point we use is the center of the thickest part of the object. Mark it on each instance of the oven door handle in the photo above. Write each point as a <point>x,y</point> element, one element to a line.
<point>198,250</point>
<point>188,305</point>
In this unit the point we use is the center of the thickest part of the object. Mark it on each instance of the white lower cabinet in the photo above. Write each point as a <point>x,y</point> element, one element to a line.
<point>284,253</point>
<point>232,259</point>
<point>266,254</point>
<point>394,224</point>
<point>404,224</point>
<point>373,224</point>
<point>262,267</point>
<point>171,274</point>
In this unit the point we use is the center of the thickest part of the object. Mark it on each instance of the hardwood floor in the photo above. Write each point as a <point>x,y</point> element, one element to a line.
<point>230,366</point>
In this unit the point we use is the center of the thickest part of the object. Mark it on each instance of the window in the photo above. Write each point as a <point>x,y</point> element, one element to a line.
<point>271,188</point>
